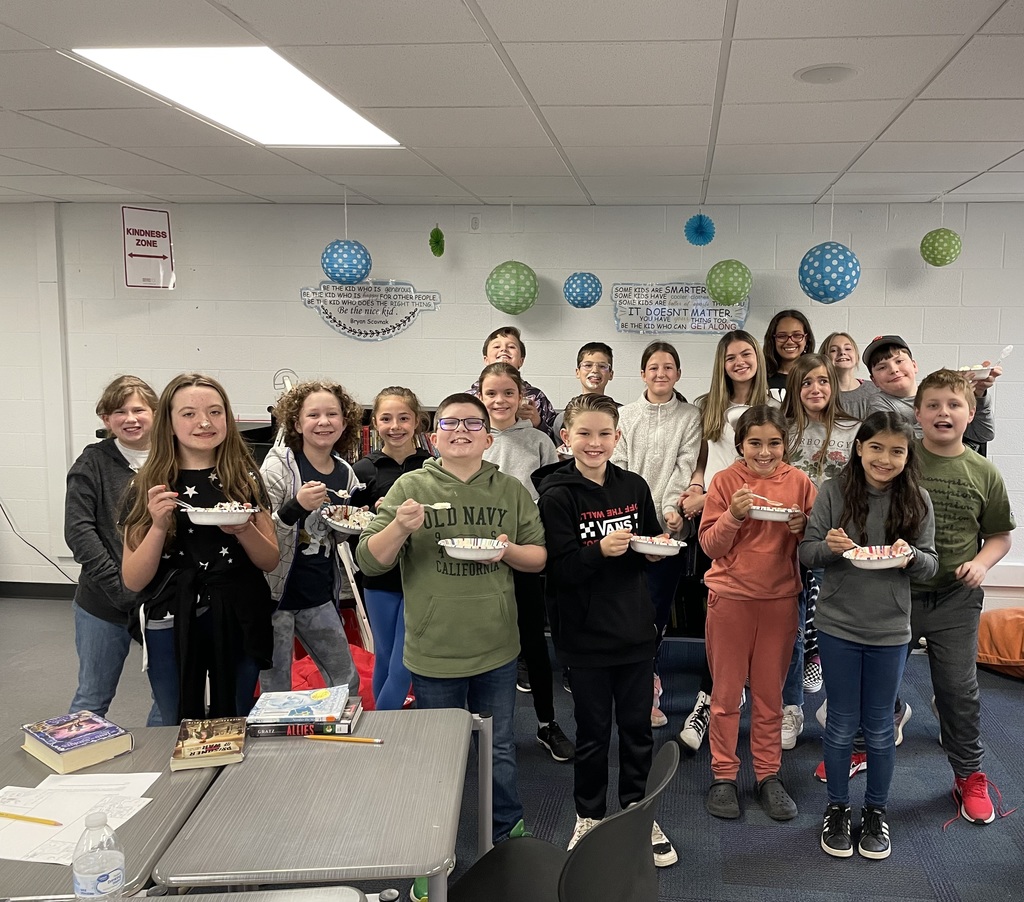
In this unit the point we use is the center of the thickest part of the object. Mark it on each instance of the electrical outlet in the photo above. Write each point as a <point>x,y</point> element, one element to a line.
<point>474,223</point>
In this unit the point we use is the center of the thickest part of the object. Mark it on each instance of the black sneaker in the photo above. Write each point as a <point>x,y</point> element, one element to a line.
<point>522,676</point>
<point>835,832</point>
<point>566,683</point>
<point>556,742</point>
<point>874,834</point>
<point>776,802</point>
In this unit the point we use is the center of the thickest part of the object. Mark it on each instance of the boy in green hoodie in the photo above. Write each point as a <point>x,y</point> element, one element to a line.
<point>461,638</point>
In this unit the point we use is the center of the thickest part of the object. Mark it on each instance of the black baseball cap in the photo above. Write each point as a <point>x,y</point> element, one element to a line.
<point>881,342</point>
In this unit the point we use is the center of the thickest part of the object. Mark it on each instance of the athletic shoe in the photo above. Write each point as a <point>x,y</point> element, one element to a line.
<point>776,802</point>
<point>971,794</point>
<point>813,677</point>
<point>743,697</point>
<point>522,676</point>
<point>822,713</point>
<point>874,834</point>
<point>566,684</point>
<point>664,852</point>
<point>835,831</point>
<point>657,718</point>
<point>723,799</point>
<point>858,764</point>
<point>935,711</point>
<point>516,832</point>
<point>792,725</point>
<point>556,742</point>
<point>900,718</point>
<point>695,727</point>
<point>657,686</point>
<point>583,826</point>
<point>418,890</point>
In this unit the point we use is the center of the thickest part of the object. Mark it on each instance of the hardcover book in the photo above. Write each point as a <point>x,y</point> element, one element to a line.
<point>344,725</point>
<point>209,743</point>
<point>300,706</point>
<point>73,741</point>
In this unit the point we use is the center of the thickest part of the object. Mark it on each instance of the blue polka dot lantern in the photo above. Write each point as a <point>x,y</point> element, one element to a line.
<point>345,261</point>
<point>940,247</point>
<point>728,282</point>
<point>582,289</point>
<point>829,272</point>
<point>512,287</point>
<point>699,230</point>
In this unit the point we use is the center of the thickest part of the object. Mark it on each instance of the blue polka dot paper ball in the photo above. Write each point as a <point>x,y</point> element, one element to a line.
<point>512,287</point>
<point>347,262</point>
<point>829,272</point>
<point>582,289</point>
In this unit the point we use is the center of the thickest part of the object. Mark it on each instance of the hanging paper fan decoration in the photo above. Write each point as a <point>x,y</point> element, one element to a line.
<point>829,272</point>
<point>345,261</point>
<point>511,287</point>
<point>699,230</point>
<point>940,247</point>
<point>437,241</point>
<point>728,282</point>
<point>582,289</point>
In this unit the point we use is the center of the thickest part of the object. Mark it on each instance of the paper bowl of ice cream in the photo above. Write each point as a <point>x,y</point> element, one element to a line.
<point>227,513</point>
<point>876,557</point>
<point>471,548</point>
<point>661,546</point>
<point>346,519</point>
<point>765,512</point>
<point>975,372</point>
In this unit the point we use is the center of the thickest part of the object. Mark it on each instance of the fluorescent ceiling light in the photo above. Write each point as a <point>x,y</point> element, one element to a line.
<point>250,90</point>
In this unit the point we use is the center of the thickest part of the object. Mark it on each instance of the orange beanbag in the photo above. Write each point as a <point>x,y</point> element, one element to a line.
<point>1001,641</point>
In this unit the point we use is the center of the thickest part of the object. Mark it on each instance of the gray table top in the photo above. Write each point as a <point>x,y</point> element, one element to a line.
<point>145,836</point>
<point>298,811</point>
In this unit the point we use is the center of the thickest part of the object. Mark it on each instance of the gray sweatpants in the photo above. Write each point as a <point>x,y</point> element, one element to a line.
<point>323,636</point>
<point>948,618</point>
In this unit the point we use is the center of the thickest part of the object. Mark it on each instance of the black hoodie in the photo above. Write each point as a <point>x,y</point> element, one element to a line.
<point>599,608</point>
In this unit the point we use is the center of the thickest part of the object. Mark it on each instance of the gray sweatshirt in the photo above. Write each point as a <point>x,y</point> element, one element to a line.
<point>519,450</point>
<point>871,607</point>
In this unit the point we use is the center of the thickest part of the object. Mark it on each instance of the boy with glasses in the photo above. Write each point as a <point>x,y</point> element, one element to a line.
<point>594,370</point>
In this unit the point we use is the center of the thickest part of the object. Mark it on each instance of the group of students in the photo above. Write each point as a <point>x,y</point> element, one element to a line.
<point>856,463</point>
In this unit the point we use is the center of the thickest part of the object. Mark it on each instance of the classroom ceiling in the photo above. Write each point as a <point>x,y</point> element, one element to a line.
<point>537,102</point>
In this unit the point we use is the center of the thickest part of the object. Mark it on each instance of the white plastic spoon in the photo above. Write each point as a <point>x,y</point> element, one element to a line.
<point>1003,354</point>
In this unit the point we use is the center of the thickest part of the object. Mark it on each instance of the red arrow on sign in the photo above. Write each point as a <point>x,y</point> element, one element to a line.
<point>153,256</point>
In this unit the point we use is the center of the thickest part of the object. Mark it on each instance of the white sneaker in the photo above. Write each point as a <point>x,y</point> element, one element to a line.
<point>792,725</point>
<point>583,826</point>
<point>695,727</point>
<point>821,715</point>
<point>664,851</point>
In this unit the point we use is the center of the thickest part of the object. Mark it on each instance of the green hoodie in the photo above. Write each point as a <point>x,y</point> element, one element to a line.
<point>460,616</point>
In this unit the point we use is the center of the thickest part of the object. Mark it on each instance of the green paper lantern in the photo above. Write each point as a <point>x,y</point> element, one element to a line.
<point>511,287</point>
<point>729,282</point>
<point>940,247</point>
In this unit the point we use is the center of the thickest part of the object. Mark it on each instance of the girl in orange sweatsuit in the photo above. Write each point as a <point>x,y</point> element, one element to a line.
<point>753,587</point>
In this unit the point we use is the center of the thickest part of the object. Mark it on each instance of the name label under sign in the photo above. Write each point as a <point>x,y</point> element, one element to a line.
<point>652,308</point>
<point>369,311</point>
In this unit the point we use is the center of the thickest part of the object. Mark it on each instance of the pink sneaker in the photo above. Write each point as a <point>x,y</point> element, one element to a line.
<point>658,719</point>
<point>858,764</point>
<point>971,794</point>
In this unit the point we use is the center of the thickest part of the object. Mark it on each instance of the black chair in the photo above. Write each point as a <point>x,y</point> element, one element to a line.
<point>612,863</point>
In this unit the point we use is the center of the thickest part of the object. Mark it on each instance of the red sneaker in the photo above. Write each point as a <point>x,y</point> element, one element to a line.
<point>971,794</point>
<point>858,764</point>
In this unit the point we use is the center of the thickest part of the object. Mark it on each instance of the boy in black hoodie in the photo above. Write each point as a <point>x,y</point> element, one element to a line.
<point>602,619</point>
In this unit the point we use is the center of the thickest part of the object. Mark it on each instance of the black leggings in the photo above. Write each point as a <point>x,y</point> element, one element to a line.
<point>530,607</point>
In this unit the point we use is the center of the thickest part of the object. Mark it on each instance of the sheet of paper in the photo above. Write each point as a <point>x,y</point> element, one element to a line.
<point>24,841</point>
<point>134,785</point>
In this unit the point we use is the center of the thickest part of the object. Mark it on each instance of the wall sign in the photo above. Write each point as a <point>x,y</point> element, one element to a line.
<point>651,308</point>
<point>369,311</point>
<point>148,257</point>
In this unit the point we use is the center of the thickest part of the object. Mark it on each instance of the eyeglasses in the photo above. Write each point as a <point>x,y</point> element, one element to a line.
<point>450,424</point>
<point>590,367</point>
<point>796,336</point>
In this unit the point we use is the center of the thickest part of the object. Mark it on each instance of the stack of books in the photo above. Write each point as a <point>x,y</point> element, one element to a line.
<point>209,743</point>
<point>310,712</point>
<point>73,741</point>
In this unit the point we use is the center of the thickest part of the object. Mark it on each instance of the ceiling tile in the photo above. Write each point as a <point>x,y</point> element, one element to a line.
<point>739,200</point>
<point>1009,19</point>
<point>163,127</point>
<point>11,40</point>
<point>1014,164</point>
<point>458,162</point>
<point>989,66</point>
<point>92,161</point>
<point>462,126</point>
<point>462,199</point>
<point>540,199</point>
<point>343,161</point>
<point>924,156</point>
<point>636,126</point>
<point>304,183</point>
<point>59,185</point>
<point>555,187</point>
<point>827,18</point>
<point>644,185</point>
<point>867,183</point>
<point>624,161</point>
<point>242,159</point>
<point>750,158</point>
<point>945,120</point>
<point>788,123</point>
<point>608,74</point>
<point>409,185</point>
<point>12,164</point>
<point>411,75</point>
<point>162,185</point>
<point>769,184</point>
<point>995,183</point>
<point>21,131</point>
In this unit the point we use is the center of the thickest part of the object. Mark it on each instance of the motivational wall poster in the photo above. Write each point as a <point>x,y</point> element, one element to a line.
<point>652,308</point>
<point>369,311</point>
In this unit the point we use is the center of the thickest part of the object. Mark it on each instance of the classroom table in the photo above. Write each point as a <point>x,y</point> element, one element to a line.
<point>145,835</point>
<point>299,811</point>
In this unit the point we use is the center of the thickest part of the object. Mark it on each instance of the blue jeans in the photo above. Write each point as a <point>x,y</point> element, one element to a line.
<point>493,691</point>
<point>320,631</point>
<point>861,682</point>
<point>793,688</point>
<point>102,650</point>
<point>391,679</point>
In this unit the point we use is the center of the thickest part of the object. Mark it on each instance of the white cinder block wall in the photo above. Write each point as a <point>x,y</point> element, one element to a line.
<point>236,311</point>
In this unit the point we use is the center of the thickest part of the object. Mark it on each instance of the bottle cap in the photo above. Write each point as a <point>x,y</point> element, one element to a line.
<point>96,819</point>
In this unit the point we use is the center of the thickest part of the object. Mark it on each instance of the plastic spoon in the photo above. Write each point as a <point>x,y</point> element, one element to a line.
<point>1003,354</point>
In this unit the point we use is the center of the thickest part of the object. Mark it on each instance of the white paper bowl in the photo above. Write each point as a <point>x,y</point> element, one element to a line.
<point>209,516</point>
<point>345,526</point>
<point>777,514</point>
<point>471,548</point>
<point>564,452</point>
<point>975,372</point>
<point>656,546</point>
<point>885,559</point>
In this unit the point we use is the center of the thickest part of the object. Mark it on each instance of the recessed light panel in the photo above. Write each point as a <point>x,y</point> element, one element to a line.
<point>826,75</point>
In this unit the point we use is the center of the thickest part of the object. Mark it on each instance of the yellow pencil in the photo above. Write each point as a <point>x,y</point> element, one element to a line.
<point>32,820</point>
<point>364,739</point>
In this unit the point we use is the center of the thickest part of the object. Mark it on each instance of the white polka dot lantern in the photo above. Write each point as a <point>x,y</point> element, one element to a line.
<point>345,261</point>
<point>512,287</point>
<point>582,289</point>
<point>940,247</point>
<point>728,282</point>
<point>829,272</point>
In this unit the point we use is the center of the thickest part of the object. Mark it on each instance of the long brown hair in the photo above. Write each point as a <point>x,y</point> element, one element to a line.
<point>793,408</point>
<point>713,405</point>
<point>233,463</point>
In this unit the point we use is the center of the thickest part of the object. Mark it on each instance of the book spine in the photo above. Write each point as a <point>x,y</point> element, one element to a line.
<point>297,729</point>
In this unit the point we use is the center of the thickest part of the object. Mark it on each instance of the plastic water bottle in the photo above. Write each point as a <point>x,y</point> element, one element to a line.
<point>98,862</point>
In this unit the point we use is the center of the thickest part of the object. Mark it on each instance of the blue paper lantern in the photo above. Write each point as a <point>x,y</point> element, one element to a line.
<point>699,230</point>
<point>345,261</point>
<point>582,289</point>
<point>829,272</point>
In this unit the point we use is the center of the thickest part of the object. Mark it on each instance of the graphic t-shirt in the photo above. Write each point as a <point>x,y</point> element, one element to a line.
<point>810,450</point>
